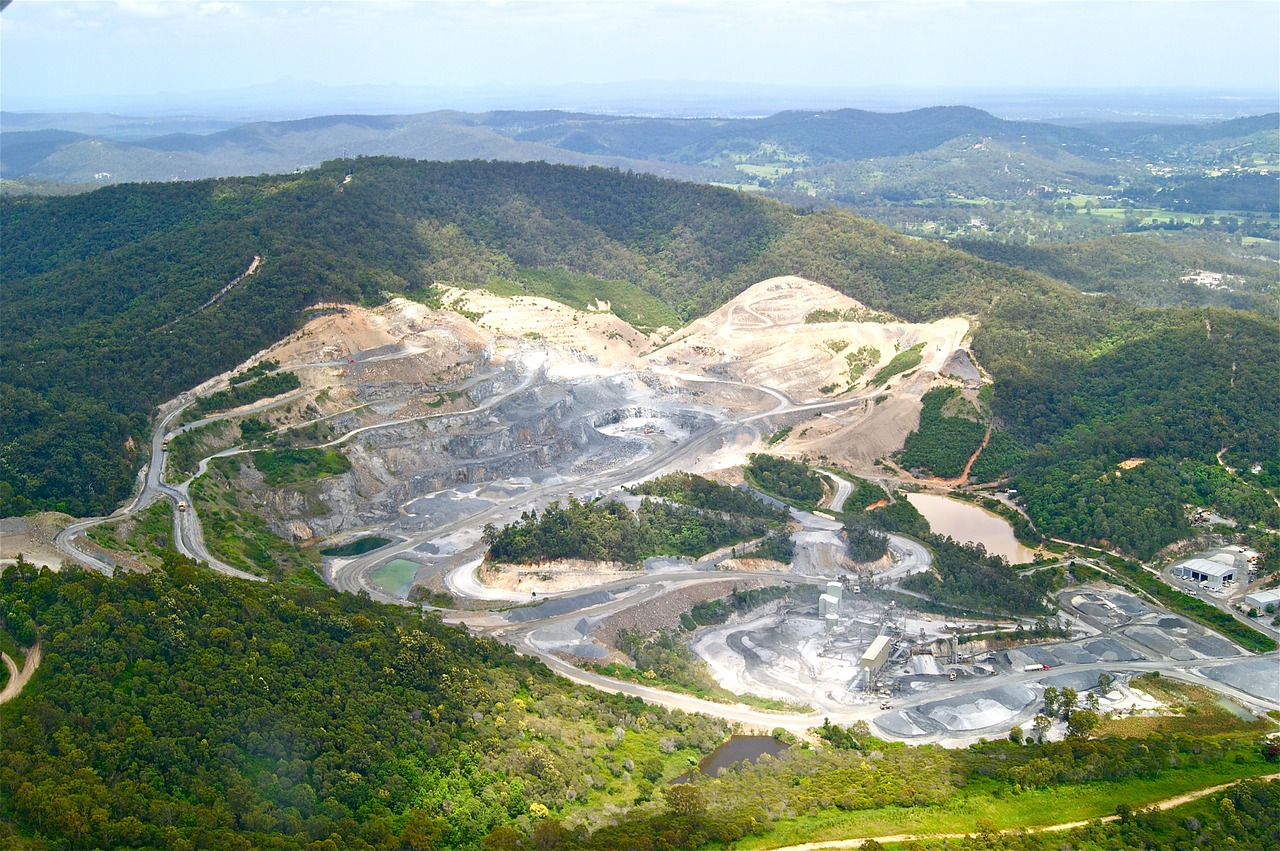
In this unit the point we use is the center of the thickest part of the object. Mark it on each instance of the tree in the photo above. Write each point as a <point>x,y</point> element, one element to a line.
<point>1081,722</point>
<point>1015,735</point>
<point>423,832</point>
<point>686,799</point>
<point>551,834</point>
<point>502,839</point>
<point>1051,701</point>
<point>1067,700</point>
<point>1041,725</point>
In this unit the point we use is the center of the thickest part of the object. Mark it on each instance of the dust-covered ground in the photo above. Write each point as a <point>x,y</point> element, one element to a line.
<point>524,395</point>
<point>32,538</point>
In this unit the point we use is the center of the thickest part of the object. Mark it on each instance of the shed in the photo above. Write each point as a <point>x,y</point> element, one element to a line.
<point>1261,599</point>
<point>1204,570</point>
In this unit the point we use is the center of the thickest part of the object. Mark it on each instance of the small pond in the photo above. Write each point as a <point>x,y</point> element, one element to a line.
<point>1236,709</point>
<point>736,749</point>
<point>396,576</point>
<point>971,524</point>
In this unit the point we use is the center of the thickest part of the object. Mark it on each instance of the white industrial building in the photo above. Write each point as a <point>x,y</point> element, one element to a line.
<point>876,654</point>
<point>829,605</point>
<point>1261,599</point>
<point>1203,570</point>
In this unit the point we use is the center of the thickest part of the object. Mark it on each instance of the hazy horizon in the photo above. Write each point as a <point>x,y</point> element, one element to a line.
<point>245,61</point>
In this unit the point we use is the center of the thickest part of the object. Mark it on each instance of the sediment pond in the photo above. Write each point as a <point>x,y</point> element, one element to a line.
<point>396,576</point>
<point>971,524</point>
<point>734,750</point>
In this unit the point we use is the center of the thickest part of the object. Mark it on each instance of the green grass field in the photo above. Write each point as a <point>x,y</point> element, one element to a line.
<point>1030,809</point>
<point>581,292</point>
<point>766,171</point>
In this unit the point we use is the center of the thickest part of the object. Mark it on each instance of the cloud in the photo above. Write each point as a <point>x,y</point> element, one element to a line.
<point>215,8</point>
<point>150,8</point>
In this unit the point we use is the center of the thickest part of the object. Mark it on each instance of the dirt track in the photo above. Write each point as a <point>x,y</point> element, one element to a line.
<point>18,679</point>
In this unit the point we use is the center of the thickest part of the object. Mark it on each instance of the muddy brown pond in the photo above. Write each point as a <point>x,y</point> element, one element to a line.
<point>971,524</point>
<point>734,750</point>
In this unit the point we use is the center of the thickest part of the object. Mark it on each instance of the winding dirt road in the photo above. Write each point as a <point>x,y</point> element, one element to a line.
<point>19,678</point>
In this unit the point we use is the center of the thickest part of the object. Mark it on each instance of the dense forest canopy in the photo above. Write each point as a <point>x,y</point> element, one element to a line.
<point>181,709</point>
<point>609,531</point>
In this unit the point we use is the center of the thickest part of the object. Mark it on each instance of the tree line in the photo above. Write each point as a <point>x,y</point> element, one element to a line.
<point>609,531</point>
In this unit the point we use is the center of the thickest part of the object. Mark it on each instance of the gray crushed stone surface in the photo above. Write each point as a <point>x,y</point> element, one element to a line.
<point>560,606</point>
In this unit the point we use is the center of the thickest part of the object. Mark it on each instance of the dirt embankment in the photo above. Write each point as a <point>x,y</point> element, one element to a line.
<point>553,576</point>
<point>665,611</point>
<point>32,538</point>
<point>752,564</point>
<point>806,339</point>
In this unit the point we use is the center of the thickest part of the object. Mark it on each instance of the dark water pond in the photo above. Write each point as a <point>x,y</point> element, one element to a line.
<point>736,749</point>
<point>358,547</point>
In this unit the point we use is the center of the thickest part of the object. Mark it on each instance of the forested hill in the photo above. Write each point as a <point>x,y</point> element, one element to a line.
<point>80,148</point>
<point>1123,437</point>
<point>103,315</point>
<point>185,710</point>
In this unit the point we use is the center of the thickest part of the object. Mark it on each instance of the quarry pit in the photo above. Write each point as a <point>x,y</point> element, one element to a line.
<point>456,419</point>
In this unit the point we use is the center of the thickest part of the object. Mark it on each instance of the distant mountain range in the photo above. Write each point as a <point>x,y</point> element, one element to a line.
<point>84,148</point>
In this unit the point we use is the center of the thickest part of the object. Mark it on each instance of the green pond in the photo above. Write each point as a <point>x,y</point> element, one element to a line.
<point>396,576</point>
<point>358,547</point>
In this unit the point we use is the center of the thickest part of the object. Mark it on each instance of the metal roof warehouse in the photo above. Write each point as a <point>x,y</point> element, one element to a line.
<point>1204,570</point>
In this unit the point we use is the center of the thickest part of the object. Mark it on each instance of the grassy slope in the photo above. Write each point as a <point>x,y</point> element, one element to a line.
<point>962,812</point>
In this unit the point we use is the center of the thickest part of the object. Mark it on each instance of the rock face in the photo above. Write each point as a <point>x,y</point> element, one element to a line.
<point>428,404</point>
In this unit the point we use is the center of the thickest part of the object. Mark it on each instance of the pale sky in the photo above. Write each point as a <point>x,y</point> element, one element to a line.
<point>59,54</point>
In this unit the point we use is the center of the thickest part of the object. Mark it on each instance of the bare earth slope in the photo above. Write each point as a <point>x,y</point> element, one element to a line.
<point>504,393</point>
<point>453,418</point>
<point>762,337</point>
